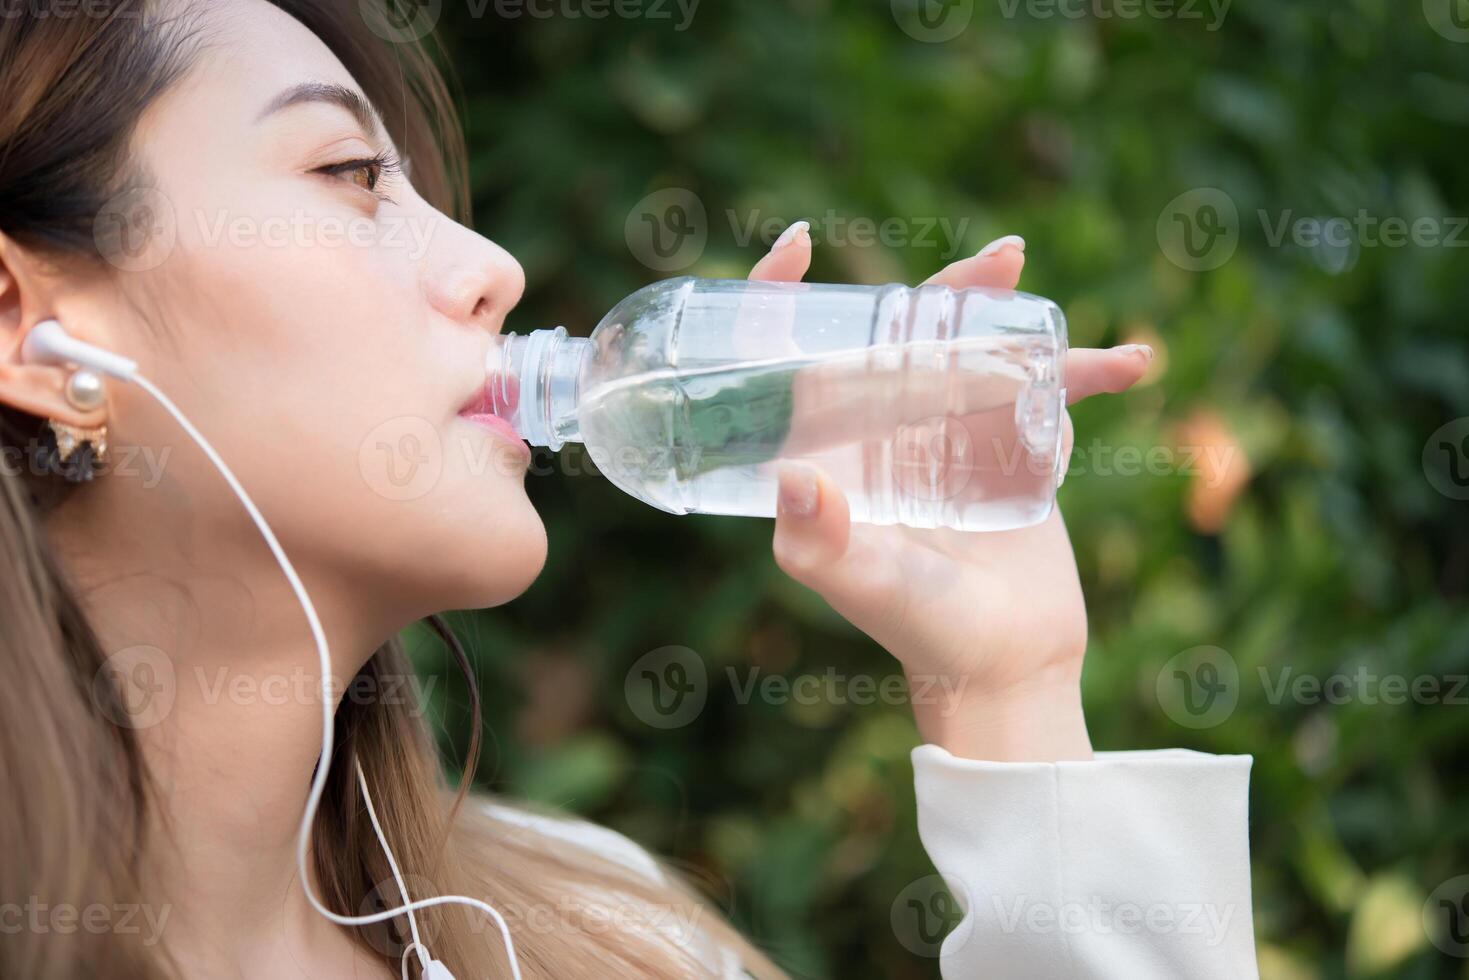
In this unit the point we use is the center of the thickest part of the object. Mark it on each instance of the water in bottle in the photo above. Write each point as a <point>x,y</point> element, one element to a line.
<point>928,406</point>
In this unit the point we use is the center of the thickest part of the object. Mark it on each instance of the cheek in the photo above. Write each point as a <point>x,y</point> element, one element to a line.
<point>332,392</point>
<point>308,339</point>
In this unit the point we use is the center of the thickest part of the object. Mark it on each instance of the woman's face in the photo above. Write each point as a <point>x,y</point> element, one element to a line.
<point>321,324</point>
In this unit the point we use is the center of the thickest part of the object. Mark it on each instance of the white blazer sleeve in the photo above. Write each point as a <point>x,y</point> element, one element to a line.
<point>1133,866</point>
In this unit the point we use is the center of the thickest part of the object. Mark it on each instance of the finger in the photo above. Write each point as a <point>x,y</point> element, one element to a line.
<point>997,265</point>
<point>789,258</point>
<point>816,545</point>
<point>1091,372</point>
<point>813,524</point>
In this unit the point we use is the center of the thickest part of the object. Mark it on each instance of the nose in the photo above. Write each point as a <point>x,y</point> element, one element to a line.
<point>469,278</point>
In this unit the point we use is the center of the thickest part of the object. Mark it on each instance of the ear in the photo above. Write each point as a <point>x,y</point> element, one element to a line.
<point>36,389</point>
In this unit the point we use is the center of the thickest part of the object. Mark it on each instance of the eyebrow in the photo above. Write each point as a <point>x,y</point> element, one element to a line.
<point>332,94</point>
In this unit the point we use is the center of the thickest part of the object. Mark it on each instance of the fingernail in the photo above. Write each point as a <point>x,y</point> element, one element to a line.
<point>1143,349</point>
<point>1000,243</point>
<point>789,235</point>
<point>799,495</point>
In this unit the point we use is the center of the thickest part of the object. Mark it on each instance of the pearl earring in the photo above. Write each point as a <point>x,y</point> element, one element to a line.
<point>78,451</point>
<point>84,391</point>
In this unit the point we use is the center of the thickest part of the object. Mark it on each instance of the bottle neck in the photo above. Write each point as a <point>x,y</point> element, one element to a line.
<point>534,381</point>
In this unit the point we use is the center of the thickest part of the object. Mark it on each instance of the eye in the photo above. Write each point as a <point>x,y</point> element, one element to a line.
<point>365,173</point>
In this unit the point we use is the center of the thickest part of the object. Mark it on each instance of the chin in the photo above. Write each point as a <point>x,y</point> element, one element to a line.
<point>493,563</point>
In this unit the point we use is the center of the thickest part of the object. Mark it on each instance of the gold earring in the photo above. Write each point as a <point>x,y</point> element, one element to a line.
<point>70,438</point>
<point>79,451</point>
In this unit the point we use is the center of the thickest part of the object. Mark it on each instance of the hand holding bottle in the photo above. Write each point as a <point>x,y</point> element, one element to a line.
<point>998,615</point>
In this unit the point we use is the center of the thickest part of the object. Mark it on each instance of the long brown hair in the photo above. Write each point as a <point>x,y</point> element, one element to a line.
<point>72,826</point>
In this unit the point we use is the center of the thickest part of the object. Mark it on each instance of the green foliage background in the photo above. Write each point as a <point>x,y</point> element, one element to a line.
<point>1330,367</point>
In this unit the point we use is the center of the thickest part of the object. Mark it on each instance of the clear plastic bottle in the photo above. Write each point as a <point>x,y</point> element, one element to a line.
<point>928,406</point>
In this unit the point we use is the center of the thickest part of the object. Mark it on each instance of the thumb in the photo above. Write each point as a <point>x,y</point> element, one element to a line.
<point>813,527</point>
<point>814,545</point>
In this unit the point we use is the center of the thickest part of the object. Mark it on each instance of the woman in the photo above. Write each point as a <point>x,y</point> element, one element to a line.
<point>250,198</point>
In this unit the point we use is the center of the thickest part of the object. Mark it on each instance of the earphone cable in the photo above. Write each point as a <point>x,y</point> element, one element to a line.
<point>377,828</point>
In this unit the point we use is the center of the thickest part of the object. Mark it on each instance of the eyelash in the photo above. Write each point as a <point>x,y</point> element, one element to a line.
<point>384,164</point>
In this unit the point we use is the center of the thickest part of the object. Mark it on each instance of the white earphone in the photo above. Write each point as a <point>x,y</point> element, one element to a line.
<point>49,343</point>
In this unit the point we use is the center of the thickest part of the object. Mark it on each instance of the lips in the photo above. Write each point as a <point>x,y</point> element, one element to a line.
<point>493,407</point>
<point>498,426</point>
<point>500,393</point>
